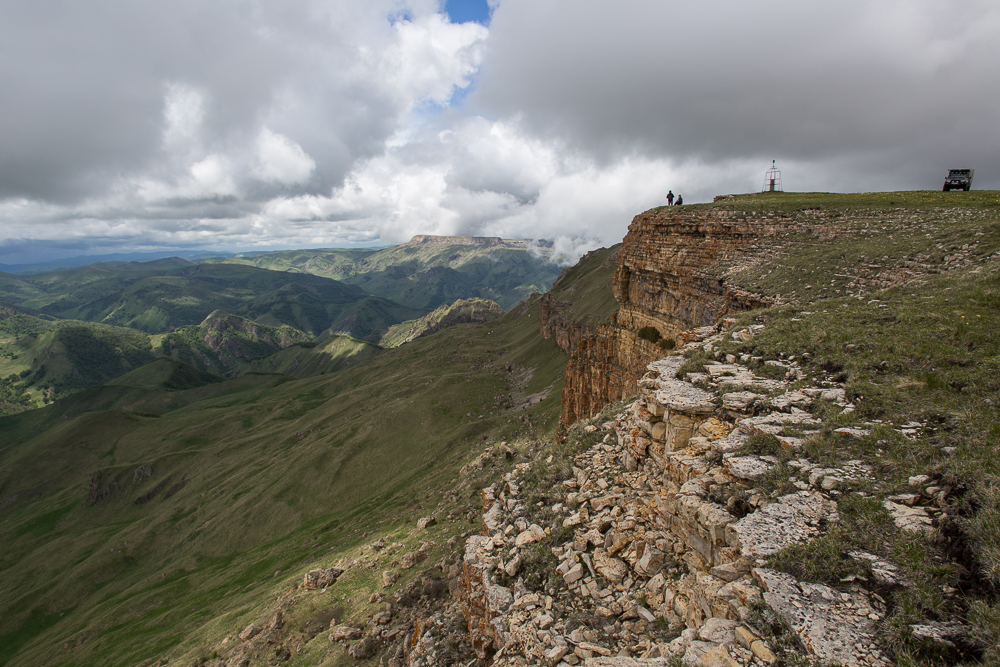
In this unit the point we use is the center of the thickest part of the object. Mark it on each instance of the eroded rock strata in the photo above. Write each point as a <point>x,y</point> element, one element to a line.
<point>671,276</point>
<point>663,528</point>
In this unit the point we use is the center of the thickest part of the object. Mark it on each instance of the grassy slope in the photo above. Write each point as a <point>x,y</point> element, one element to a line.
<point>308,359</point>
<point>463,310</point>
<point>925,351</point>
<point>584,290</point>
<point>42,359</point>
<point>277,473</point>
<point>423,275</point>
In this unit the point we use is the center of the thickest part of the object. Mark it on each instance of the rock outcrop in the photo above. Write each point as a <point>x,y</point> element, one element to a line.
<point>663,527</point>
<point>671,276</point>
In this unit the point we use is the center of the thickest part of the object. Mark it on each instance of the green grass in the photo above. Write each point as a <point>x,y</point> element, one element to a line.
<point>583,291</point>
<point>325,458</point>
<point>926,350</point>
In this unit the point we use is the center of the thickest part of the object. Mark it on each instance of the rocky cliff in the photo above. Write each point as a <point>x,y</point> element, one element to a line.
<point>672,273</point>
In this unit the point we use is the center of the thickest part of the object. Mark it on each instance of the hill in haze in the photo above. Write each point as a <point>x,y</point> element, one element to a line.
<point>157,296</point>
<point>426,272</point>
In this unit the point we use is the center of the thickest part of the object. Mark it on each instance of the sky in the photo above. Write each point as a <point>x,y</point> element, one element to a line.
<point>240,125</point>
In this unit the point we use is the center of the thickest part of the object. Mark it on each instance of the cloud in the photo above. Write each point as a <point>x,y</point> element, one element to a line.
<point>281,160</point>
<point>328,122</point>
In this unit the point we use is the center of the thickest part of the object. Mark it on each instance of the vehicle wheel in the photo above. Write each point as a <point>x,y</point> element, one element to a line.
<point>967,187</point>
<point>945,189</point>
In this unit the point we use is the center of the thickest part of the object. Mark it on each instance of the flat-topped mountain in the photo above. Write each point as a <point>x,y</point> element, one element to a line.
<point>484,241</point>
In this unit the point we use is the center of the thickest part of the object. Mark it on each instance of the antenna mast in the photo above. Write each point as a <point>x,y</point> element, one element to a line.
<point>772,180</point>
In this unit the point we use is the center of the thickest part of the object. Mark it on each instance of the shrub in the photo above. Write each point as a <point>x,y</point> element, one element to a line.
<point>667,343</point>
<point>652,334</point>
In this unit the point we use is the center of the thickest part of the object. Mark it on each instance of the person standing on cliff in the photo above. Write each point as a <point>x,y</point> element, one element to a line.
<point>670,197</point>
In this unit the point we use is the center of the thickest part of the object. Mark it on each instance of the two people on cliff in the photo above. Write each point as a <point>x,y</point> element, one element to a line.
<point>670,199</point>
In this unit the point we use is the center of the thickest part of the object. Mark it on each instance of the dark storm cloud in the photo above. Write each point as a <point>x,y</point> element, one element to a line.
<point>888,84</point>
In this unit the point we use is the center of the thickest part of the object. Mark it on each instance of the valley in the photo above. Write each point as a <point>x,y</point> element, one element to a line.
<point>758,431</point>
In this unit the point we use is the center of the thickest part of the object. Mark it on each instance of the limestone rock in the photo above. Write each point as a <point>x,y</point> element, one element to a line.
<point>411,558</point>
<point>534,533</point>
<point>718,631</point>
<point>749,468</point>
<point>716,657</point>
<point>344,633</point>
<point>793,518</point>
<point>739,400</point>
<point>831,628</point>
<point>426,522</point>
<point>762,652</point>
<point>910,519</point>
<point>364,649</point>
<point>650,562</point>
<point>611,568</point>
<point>884,572</point>
<point>682,397</point>
<point>249,632</point>
<point>321,578</point>
<point>941,633</point>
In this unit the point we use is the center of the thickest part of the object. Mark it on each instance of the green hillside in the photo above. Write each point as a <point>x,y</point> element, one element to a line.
<point>307,359</point>
<point>223,341</point>
<point>165,514</point>
<point>460,312</point>
<point>421,275</point>
<point>157,296</point>
<point>45,359</point>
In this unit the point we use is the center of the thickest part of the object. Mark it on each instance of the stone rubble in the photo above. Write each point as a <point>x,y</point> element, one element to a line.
<point>651,546</point>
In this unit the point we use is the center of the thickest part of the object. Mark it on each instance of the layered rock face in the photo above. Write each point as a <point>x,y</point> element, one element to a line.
<point>671,275</point>
<point>669,530</point>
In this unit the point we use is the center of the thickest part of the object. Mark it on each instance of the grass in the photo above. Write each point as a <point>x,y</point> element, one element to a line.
<point>583,291</point>
<point>924,348</point>
<point>327,457</point>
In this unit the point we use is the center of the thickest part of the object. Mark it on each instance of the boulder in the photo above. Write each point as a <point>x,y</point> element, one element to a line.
<point>411,558</point>
<point>364,649</point>
<point>534,533</point>
<point>611,568</point>
<point>321,578</point>
<point>345,633</point>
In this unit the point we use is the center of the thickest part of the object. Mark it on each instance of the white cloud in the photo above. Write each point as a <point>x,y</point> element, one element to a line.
<point>281,160</point>
<point>327,122</point>
<point>183,112</point>
<point>431,58</point>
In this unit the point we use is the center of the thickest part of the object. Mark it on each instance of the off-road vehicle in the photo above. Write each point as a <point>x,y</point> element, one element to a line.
<point>958,179</point>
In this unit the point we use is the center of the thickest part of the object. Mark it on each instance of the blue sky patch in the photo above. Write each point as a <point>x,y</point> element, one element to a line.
<point>463,11</point>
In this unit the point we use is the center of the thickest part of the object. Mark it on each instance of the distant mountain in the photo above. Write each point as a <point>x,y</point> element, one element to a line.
<point>223,341</point>
<point>87,260</point>
<point>426,272</point>
<point>460,312</point>
<point>159,296</point>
